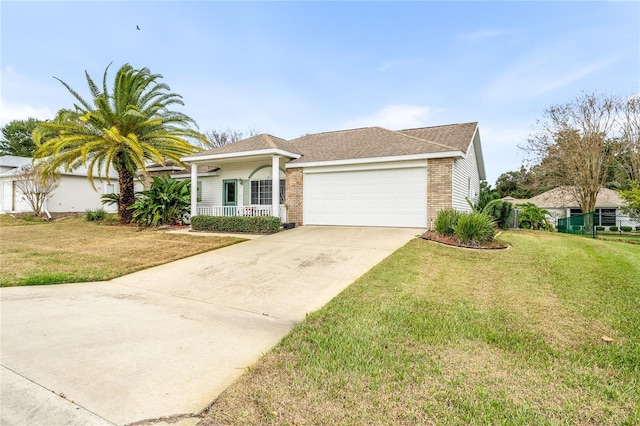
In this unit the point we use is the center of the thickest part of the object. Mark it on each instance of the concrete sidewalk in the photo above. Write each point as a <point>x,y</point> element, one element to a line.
<point>168,340</point>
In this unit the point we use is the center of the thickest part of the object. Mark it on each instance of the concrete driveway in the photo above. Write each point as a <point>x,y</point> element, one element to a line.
<point>168,340</point>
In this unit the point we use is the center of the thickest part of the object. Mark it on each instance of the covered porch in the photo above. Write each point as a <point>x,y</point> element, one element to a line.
<point>246,178</point>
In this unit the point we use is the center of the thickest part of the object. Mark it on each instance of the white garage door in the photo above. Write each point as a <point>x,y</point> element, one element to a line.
<point>393,197</point>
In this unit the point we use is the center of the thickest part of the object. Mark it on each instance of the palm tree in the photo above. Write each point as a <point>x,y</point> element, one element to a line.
<point>124,129</point>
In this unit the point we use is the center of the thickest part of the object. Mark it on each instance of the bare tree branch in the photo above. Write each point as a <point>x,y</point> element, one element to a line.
<point>223,137</point>
<point>575,145</point>
<point>35,186</point>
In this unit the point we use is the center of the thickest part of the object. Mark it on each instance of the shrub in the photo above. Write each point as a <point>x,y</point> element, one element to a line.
<point>165,203</point>
<point>613,228</point>
<point>599,228</point>
<point>95,215</point>
<point>637,228</point>
<point>533,217</point>
<point>446,221</point>
<point>626,228</point>
<point>474,228</point>
<point>246,224</point>
<point>576,227</point>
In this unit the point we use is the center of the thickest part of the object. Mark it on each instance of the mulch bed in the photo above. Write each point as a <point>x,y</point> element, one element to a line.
<point>453,241</point>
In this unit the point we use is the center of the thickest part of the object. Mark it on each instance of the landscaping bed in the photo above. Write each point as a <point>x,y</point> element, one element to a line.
<point>453,241</point>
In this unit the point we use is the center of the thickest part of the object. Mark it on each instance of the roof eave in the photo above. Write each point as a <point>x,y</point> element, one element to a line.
<point>408,157</point>
<point>268,151</point>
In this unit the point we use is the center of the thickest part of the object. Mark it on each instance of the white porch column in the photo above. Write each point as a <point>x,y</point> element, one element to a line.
<point>275,186</point>
<point>194,189</point>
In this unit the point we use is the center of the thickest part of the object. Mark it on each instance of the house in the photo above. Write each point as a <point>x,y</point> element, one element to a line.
<point>561,203</point>
<point>360,177</point>
<point>74,193</point>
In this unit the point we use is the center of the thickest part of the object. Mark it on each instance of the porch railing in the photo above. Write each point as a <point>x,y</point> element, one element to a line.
<point>256,210</point>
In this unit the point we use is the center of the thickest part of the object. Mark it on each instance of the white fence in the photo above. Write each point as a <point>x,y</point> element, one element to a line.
<point>256,210</point>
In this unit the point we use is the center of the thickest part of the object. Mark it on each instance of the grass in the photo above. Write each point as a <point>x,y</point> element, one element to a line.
<point>617,236</point>
<point>72,250</point>
<point>441,335</point>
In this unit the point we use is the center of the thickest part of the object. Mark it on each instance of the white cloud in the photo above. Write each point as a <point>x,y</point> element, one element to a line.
<point>397,117</point>
<point>12,111</point>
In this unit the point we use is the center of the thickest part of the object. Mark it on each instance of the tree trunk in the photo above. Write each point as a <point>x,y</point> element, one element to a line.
<point>127,196</point>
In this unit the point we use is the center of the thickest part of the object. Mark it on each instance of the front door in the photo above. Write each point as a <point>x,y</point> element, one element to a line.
<point>230,196</point>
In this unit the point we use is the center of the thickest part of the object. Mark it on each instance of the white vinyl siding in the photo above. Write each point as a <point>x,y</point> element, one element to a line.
<point>376,197</point>
<point>212,185</point>
<point>466,179</point>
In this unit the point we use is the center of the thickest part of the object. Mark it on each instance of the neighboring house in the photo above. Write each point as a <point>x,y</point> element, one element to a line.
<point>73,194</point>
<point>561,203</point>
<point>361,177</point>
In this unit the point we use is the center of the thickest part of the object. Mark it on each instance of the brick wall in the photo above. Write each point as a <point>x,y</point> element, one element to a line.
<point>439,187</point>
<point>293,196</point>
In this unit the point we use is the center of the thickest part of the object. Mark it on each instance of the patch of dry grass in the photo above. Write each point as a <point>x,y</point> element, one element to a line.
<point>439,335</point>
<point>72,250</point>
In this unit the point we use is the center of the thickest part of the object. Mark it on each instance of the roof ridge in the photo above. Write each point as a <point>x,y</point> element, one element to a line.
<point>422,140</point>
<point>441,125</point>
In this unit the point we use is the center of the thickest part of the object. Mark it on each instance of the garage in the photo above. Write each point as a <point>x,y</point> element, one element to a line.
<point>395,197</point>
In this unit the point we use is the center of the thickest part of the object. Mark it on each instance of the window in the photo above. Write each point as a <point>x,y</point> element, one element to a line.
<point>199,191</point>
<point>605,217</point>
<point>261,192</point>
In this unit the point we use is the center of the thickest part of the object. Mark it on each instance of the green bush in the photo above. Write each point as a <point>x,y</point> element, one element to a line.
<point>576,227</point>
<point>626,228</point>
<point>613,228</point>
<point>95,215</point>
<point>533,217</point>
<point>474,228</point>
<point>637,228</point>
<point>599,228</point>
<point>446,221</point>
<point>246,224</point>
<point>165,203</point>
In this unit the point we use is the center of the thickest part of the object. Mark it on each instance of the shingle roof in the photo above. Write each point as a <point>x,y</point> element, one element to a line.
<point>561,197</point>
<point>367,142</point>
<point>455,136</point>
<point>254,143</point>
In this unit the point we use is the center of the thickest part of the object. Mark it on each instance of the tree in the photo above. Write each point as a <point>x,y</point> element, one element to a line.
<point>629,126</point>
<point>124,129</point>
<point>531,216</point>
<point>514,184</point>
<point>487,194</point>
<point>631,197</point>
<point>35,186</point>
<point>16,138</point>
<point>575,137</point>
<point>223,137</point>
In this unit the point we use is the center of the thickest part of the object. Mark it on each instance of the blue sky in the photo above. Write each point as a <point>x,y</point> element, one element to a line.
<point>291,68</point>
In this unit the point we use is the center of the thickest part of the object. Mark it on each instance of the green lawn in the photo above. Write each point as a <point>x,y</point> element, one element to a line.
<point>441,335</point>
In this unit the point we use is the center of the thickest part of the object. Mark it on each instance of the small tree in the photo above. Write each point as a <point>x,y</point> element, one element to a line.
<point>531,216</point>
<point>631,197</point>
<point>35,186</point>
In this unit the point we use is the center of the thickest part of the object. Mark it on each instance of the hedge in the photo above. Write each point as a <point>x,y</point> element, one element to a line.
<point>613,228</point>
<point>626,228</point>
<point>246,224</point>
<point>599,228</point>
